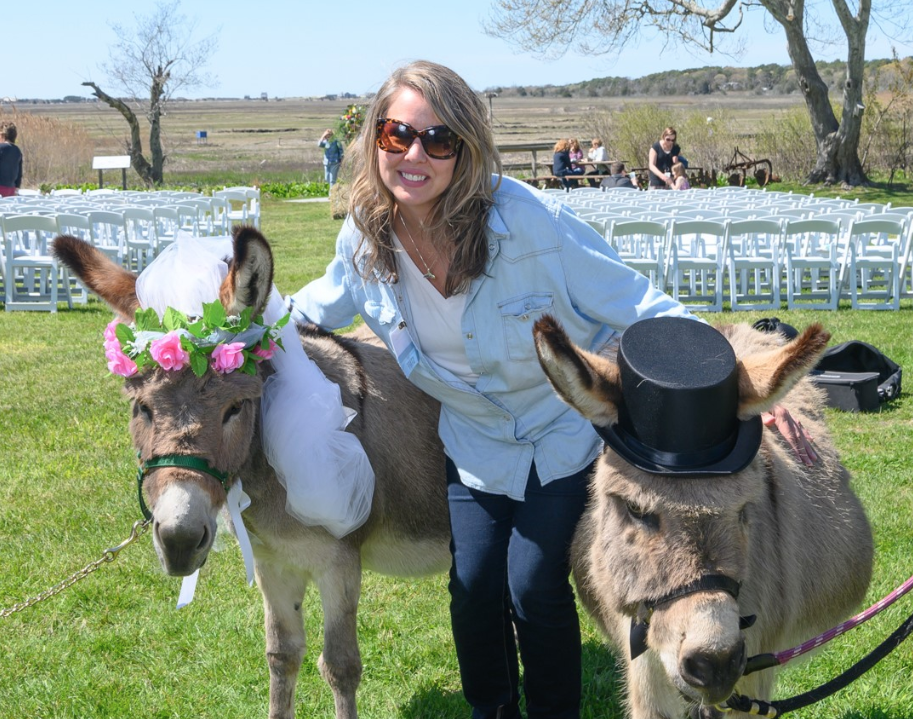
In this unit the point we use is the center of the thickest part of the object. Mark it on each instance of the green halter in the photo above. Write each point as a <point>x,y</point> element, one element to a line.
<point>174,460</point>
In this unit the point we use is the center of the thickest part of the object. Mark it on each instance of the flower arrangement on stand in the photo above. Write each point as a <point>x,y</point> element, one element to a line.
<point>350,122</point>
<point>347,127</point>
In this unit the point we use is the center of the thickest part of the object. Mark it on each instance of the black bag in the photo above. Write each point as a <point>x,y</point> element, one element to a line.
<point>857,377</point>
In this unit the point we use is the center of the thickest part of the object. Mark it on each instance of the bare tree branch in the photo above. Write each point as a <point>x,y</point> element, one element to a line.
<point>548,28</point>
<point>150,63</point>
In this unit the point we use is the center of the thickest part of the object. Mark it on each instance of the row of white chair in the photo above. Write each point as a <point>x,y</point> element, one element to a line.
<point>240,205</point>
<point>754,263</point>
<point>130,234</point>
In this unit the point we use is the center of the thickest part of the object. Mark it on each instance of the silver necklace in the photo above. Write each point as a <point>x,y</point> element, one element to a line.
<point>428,274</point>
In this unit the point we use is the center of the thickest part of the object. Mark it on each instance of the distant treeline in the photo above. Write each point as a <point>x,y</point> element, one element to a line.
<point>761,80</point>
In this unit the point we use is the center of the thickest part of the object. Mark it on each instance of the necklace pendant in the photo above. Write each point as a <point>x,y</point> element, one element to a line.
<point>429,275</point>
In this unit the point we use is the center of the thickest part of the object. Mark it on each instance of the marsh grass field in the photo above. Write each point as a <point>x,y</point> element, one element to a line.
<point>115,646</point>
<point>277,139</point>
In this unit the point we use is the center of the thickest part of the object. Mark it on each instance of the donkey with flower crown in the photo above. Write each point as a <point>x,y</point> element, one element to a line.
<point>203,409</point>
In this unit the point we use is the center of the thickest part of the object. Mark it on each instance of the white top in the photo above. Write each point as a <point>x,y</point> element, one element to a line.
<point>435,319</point>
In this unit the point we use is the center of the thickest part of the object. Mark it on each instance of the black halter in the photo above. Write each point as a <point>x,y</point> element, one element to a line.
<point>707,583</point>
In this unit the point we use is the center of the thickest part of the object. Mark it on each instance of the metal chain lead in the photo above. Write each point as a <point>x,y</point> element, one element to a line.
<point>110,554</point>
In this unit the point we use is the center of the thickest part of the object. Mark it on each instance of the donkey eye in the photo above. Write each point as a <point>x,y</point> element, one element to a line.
<point>233,411</point>
<point>142,409</point>
<point>639,514</point>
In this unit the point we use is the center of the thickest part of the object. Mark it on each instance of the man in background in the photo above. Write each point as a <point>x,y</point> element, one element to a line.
<point>618,178</point>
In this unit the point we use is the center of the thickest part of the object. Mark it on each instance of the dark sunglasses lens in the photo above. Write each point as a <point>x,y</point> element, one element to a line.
<point>439,142</point>
<point>395,137</point>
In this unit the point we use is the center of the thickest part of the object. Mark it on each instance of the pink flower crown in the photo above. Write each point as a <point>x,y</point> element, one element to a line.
<point>175,341</point>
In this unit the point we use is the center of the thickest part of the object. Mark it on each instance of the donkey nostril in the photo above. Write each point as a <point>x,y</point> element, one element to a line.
<point>204,539</point>
<point>697,670</point>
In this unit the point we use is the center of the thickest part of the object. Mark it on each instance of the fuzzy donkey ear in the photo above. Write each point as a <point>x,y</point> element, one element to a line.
<point>107,279</point>
<point>766,377</point>
<point>250,276</point>
<point>588,383</point>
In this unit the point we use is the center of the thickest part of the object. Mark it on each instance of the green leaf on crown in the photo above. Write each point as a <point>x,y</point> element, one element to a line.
<point>173,319</point>
<point>198,363</point>
<point>214,315</point>
<point>124,334</point>
<point>146,320</point>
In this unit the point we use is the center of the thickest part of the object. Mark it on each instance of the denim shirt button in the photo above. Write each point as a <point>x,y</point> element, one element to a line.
<point>491,248</point>
<point>469,335</point>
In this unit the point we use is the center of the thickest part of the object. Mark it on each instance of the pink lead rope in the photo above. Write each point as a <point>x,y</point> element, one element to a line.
<point>785,656</point>
<point>763,661</point>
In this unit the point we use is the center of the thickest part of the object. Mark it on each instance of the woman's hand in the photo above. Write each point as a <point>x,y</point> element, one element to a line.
<point>793,432</point>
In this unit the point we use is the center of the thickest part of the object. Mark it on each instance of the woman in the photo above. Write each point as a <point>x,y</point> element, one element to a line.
<point>663,154</point>
<point>575,153</point>
<point>450,264</point>
<point>562,166</point>
<point>10,161</point>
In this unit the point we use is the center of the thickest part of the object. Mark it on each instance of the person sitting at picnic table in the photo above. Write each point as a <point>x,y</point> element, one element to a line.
<point>561,164</point>
<point>597,153</point>
<point>618,178</point>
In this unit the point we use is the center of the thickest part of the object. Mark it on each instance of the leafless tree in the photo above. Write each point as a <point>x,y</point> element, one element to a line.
<point>150,63</point>
<point>551,27</point>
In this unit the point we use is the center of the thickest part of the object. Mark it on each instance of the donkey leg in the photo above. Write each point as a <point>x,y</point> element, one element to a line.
<point>340,662</point>
<point>283,592</point>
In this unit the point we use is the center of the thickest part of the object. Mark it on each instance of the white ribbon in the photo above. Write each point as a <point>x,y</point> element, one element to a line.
<point>238,501</point>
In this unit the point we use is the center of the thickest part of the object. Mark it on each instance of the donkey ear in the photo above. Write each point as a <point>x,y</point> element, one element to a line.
<point>588,383</point>
<point>250,276</point>
<point>766,377</point>
<point>115,285</point>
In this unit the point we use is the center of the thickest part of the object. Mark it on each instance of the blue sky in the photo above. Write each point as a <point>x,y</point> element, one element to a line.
<point>297,48</point>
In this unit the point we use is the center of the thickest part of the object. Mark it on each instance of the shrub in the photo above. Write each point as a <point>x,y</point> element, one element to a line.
<point>53,151</point>
<point>787,140</point>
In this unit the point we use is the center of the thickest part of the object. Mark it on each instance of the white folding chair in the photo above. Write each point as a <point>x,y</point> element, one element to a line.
<point>695,261</point>
<point>109,233</point>
<point>75,226</point>
<point>238,202</point>
<point>875,247</point>
<point>139,226</point>
<point>753,261</point>
<point>32,277</point>
<point>640,245</point>
<point>812,264</point>
<point>167,224</point>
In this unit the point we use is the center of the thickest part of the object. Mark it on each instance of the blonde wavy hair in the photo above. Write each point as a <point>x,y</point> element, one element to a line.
<point>458,219</point>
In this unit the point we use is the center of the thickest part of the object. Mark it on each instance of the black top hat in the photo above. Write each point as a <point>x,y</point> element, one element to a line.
<point>680,389</point>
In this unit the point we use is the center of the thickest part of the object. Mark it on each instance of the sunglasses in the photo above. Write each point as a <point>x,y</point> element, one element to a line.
<point>438,141</point>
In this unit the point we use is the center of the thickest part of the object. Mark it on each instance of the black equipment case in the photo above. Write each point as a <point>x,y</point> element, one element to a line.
<point>857,377</point>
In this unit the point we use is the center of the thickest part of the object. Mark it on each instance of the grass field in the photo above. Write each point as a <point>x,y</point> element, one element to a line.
<point>114,645</point>
<point>278,139</point>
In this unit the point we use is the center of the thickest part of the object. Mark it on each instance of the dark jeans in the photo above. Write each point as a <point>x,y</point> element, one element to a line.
<point>510,572</point>
<point>567,178</point>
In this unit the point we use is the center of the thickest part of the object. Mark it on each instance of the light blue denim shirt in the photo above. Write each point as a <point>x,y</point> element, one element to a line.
<point>541,259</point>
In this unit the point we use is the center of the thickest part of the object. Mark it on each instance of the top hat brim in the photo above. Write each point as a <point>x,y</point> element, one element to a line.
<point>743,450</point>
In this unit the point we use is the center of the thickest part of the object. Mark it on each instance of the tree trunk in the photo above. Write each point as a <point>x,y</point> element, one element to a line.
<point>837,143</point>
<point>156,101</point>
<point>135,148</point>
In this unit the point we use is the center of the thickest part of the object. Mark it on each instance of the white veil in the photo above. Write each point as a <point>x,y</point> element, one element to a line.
<point>328,479</point>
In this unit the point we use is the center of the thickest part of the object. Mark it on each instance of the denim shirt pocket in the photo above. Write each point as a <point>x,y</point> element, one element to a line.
<point>383,313</point>
<point>517,317</point>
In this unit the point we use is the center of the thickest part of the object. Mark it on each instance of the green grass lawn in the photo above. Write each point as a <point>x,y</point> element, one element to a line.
<point>114,645</point>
